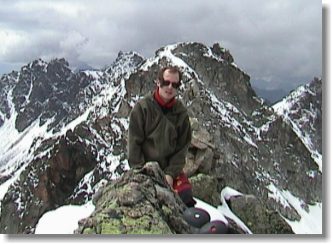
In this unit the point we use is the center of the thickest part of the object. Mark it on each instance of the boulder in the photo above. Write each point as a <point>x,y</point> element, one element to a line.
<point>139,202</point>
<point>257,216</point>
<point>205,188</point>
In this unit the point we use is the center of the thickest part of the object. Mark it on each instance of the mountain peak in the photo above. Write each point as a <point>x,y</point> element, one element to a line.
<point>124,61</point>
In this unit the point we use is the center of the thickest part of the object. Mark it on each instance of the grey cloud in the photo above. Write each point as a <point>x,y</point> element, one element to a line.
<point>279,41</point>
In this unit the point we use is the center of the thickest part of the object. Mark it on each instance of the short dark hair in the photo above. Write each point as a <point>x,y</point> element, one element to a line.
<point>171,69</point>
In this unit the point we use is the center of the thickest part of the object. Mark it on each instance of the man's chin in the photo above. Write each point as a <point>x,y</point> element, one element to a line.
<point>168,96</point>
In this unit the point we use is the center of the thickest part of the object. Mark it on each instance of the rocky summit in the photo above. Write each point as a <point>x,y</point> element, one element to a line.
<point>64,136</point>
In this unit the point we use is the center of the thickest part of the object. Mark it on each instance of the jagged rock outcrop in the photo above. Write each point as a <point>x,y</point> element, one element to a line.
<point>139,202</point>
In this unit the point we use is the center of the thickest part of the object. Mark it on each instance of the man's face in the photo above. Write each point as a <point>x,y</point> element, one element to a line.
<point>166,89</point>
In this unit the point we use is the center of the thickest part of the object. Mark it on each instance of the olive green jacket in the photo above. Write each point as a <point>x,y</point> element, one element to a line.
<point>158,135</point>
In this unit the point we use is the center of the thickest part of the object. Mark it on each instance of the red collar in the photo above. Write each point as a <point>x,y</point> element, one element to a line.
<point>161,102</point>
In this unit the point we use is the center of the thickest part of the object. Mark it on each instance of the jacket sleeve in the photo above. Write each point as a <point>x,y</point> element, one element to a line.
<point>177,161</point>
<point>136,137</point>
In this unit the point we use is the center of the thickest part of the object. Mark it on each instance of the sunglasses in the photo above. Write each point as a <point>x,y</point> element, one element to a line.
<point>167,83</point>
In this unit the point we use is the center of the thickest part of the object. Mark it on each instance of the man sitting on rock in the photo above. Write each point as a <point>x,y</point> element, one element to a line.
<point>160,130</point>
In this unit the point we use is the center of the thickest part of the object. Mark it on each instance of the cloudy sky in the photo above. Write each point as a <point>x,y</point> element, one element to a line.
<point>277,42</point>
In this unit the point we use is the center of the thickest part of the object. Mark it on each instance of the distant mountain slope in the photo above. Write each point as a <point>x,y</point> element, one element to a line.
<point>302,110</point>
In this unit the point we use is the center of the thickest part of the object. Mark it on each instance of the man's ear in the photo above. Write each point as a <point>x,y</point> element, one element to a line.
<point>157,82</point>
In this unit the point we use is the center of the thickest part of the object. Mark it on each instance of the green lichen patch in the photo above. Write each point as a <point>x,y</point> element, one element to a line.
<point>145,225</point>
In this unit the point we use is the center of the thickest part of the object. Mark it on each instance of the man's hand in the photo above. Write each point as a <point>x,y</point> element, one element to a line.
<point>169,179</point>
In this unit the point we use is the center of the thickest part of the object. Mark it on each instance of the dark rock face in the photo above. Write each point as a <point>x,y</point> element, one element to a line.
<point>228,82</point>
<point>295,171</point>
<point>139,202</point>
<point>45,184</point>
<point>7,82</point>
<point>305,110</point>
<point>49,90</point>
